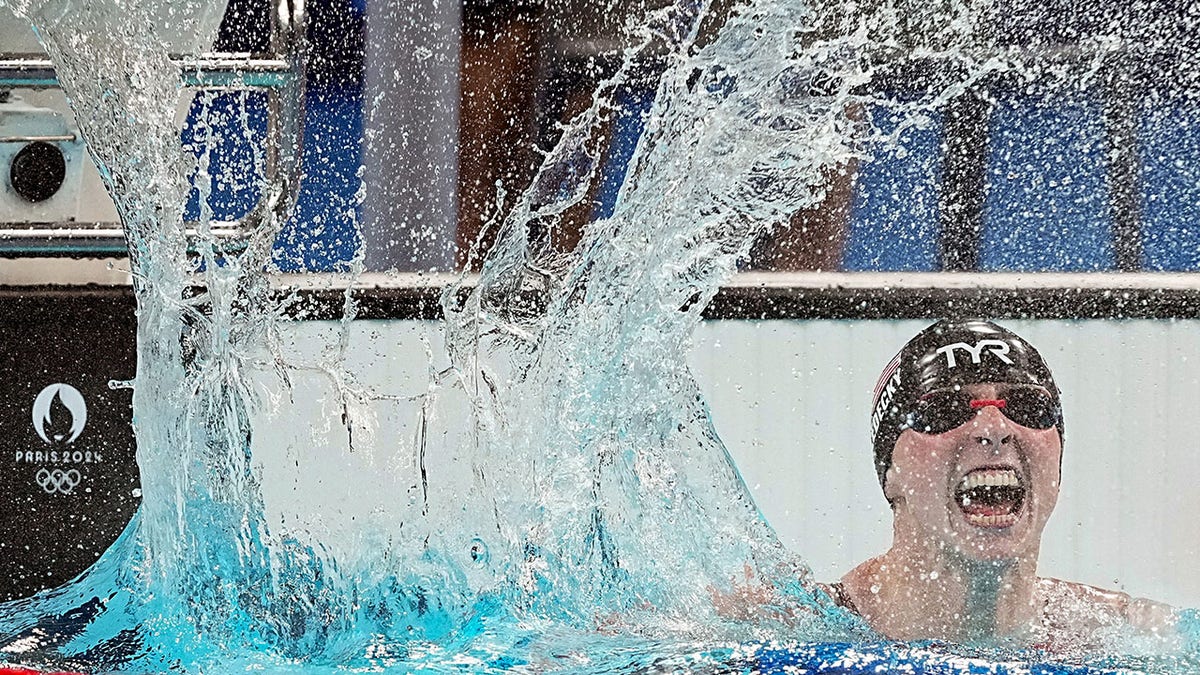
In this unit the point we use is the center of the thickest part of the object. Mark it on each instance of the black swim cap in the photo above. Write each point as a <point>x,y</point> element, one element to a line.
<point>946,354</point>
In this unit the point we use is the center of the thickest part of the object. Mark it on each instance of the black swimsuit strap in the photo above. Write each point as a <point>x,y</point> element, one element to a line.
<point>837,591</point>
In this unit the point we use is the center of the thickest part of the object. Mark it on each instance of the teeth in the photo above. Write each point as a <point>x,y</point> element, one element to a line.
<point>992,521</point>
<point>989,477</point>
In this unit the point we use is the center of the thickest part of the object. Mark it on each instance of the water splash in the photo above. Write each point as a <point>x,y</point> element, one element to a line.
<point>584,517</point>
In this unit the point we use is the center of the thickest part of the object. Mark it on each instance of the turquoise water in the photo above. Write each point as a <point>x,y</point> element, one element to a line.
<point>594,508</point>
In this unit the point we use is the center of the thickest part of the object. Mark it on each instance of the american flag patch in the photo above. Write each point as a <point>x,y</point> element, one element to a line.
<point>885,391</point>
<point>888,371</point>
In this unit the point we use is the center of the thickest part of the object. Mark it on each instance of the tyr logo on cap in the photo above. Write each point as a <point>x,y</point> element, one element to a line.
<point>998,348</point>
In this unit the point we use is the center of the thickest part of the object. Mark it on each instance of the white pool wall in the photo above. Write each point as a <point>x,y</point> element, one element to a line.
<point>790,399</point>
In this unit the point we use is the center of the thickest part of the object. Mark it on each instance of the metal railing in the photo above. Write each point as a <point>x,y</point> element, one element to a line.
<point>759,296</point>
<point>280,74</point>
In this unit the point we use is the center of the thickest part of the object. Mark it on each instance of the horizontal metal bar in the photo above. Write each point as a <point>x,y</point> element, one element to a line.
<point>12,248</point>
<point>235,72</point>
<point>815,296</point>
<point>65,232</point>
<point>795,296</point>
<point>219,229</point>
<point>1113,281</point>
<point>207,71</point>
<point>89,239</point>
<point>95,271</point>
<point>67,138</point>
<point>776,282</point>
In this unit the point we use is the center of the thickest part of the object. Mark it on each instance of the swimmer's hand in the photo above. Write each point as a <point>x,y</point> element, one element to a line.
<point>1076,613</point>
<point>1150,616</point>
<point>616,623</point>
<point>749,599</point>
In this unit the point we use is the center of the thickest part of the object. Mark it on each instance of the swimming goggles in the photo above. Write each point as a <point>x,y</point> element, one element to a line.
<point>941,411</point>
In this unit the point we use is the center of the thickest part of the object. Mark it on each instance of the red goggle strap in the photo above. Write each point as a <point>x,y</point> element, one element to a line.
<point>978,403</point>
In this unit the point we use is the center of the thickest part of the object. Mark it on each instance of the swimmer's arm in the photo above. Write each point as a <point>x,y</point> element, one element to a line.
<point>746,599</point>
<point>751,599</point>
<point>1141,614</point>
<point>1144,615</point>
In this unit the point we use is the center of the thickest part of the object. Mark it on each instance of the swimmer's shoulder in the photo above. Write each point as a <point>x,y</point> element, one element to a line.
<point>843,591</point>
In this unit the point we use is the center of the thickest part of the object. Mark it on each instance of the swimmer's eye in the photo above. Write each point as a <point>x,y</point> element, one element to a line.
<point>1032,408</point>
<point>940,412</point>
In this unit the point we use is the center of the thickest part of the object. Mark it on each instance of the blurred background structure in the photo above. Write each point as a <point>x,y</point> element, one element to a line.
<point>420,117</point>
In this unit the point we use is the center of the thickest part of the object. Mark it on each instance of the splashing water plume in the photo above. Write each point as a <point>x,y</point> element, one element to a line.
<point>599,509</point>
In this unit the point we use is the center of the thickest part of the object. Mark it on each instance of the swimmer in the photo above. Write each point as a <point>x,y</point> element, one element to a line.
<point>968,428</point>
<point>968,436</point>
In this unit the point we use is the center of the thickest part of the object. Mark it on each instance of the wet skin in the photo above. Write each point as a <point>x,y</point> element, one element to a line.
<point>948,575</point>
<point>967,572</point>
<point>927,469</point>
<point>956,572</point>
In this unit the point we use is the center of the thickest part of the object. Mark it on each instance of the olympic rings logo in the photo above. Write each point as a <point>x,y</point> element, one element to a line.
<point>58,480</point>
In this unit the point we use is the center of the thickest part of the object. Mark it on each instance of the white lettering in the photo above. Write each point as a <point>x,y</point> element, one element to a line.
<point>885,401</point>
<point>57,457</point>
<point>998,348</point>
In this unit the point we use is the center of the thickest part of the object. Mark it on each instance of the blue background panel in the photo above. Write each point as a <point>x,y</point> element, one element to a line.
<point>1169,136</point>
<point>322,235</point>
<point>227,131</point>
<point>894,222</point>
<point>1047,205</point>
<point>633,105</point>
<point>231,129</point>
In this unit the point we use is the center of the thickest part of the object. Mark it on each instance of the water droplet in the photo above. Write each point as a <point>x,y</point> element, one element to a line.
<point>479,552</point>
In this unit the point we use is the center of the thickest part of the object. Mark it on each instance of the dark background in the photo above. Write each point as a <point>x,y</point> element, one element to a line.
<point>83,338</point>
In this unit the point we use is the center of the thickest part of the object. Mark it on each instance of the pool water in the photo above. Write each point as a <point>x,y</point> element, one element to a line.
<point>566,503</point>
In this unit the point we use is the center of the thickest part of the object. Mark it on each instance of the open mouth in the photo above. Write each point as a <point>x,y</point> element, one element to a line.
<point>990,497</point>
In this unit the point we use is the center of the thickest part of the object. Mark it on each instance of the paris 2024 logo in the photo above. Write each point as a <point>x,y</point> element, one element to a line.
<point>55,473</point>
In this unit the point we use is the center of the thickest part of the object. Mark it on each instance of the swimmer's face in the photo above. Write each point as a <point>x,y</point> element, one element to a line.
<point>984,489</point>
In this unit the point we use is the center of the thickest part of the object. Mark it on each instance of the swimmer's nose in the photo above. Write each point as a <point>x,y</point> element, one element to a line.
<point>991,428</point>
